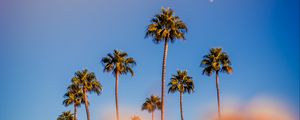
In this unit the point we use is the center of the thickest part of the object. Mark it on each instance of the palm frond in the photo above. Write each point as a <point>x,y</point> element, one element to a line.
<point>151,104</point>
<point>181,82</point>
<point>119,62</point>
<point>66,116</point>
<point>85,80</point>
<point>166,26</point>
<point>216,60</point>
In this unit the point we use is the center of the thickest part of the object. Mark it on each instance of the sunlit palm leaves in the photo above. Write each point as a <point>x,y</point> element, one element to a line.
<point>118,62</point>
<point>74,95</point>
<point>166,26</point>
<point>151,104</point>
<point>66,116</point>
<point>87,82</point>
<point>216,61</point>
<point>181,82</point>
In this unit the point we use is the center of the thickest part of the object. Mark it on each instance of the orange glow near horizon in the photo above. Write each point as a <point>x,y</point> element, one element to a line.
<point>260,108</point>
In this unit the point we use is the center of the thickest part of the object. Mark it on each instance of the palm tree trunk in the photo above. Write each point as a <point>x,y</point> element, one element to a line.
<point>181,111</point>
<point>75,112</point>
<point>163,80</point>
<point>218,94</point>
<point>86,104</point>
<point>116,96</point>
<point>152,115</point>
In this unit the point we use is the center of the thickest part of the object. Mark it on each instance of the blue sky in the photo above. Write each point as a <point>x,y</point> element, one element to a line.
<point>43,42</point>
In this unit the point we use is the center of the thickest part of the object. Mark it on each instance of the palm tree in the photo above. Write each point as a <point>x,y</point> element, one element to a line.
<point>181,83</point>
<point>151,104</point>
<point>73,96</point>
<point>87,82</point>
<point>66,116</point>
<point>216,61</point>
<point>165,27</point>
<point>118,63</point>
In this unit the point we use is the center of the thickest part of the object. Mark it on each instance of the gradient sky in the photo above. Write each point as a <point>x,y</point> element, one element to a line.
<point>43,42</point>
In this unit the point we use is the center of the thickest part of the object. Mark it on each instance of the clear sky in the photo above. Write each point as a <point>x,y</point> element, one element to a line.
<point>43,42</point>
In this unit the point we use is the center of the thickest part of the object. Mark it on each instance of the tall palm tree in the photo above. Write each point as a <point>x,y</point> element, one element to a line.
<point>119,64</point>
<point>66,116</point>
<point>181,83</point>
<point>165,27</point>
<point>151,104</point>
<point>214,62</point>
<point>73,96</point>
<point>88,83</point>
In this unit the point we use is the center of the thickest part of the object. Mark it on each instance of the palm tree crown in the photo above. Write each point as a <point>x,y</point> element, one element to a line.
<point>151,104</point>
<point>87,81</point>
<point>181,83</point>
<point>216,61</point>
<point>74,96</point>
<point>118,62</point>
<point>66,116</point>
<point>166,26</point>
